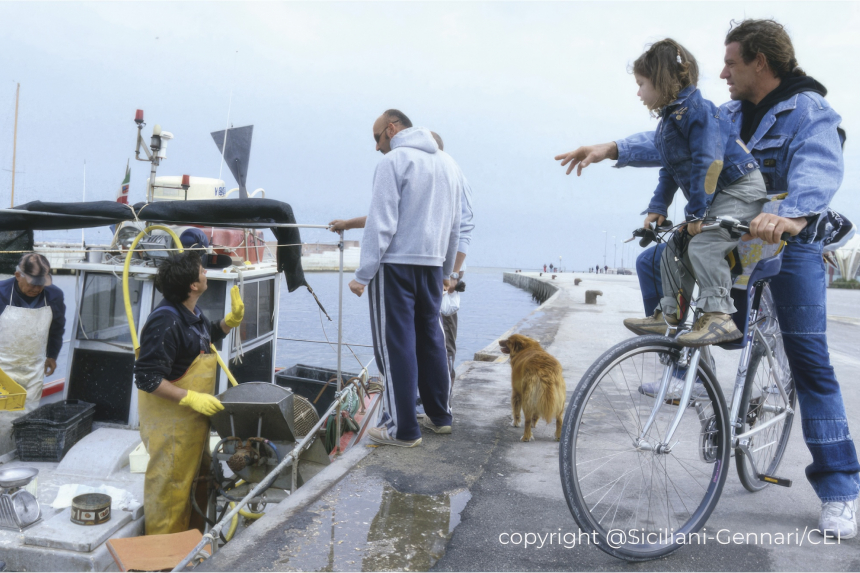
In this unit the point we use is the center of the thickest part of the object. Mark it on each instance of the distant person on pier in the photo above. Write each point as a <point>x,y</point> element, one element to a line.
<point>32,323</point>
<point>408,250</point>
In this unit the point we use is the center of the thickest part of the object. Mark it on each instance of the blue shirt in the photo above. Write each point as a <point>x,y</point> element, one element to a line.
<point>797,147</point>
<point>170,341</point>
<point>53,295</point>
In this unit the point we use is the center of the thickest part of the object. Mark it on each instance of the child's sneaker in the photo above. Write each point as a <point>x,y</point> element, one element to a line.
<point>380,436</point>
<point>653,324</point>
<point>711,328</point>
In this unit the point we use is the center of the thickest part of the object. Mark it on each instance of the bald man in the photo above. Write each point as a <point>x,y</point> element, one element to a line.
<point>408,249</point>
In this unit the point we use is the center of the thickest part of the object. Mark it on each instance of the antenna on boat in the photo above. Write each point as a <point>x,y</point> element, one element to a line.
<point>158,144</point>
<point>83,242</point>
<point>15,143</point>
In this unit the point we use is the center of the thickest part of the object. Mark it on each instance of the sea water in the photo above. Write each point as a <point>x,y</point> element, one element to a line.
<point>488,308</point>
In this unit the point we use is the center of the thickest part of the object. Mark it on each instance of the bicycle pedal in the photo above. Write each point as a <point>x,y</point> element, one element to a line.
<point>775,480</point>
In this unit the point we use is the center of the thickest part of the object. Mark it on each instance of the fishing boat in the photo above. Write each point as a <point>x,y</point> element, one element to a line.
<point>280,427</point>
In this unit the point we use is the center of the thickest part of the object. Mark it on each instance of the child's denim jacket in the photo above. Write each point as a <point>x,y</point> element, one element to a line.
<point>697,154</point>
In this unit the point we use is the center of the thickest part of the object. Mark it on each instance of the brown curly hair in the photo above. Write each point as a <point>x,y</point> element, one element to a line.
<point>769,38</point>
<point>660,64</point>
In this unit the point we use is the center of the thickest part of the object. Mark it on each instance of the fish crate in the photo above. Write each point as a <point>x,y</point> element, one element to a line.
<point>12,395</point>
<point>47,433</point>
<point>308,381</point>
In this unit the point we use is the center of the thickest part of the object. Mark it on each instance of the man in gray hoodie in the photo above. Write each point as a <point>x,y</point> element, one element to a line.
<point>409,246</point>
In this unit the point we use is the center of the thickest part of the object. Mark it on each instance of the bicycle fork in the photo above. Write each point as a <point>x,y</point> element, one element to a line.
<point>689,358</point>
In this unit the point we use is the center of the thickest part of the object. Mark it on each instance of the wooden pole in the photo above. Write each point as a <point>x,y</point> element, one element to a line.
<point>15,143</point>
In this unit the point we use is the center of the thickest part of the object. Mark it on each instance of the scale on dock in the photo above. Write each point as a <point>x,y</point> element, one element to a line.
<point>19,509</point>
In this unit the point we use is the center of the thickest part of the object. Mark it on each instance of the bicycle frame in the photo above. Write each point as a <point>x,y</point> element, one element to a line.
<point>690,359</point>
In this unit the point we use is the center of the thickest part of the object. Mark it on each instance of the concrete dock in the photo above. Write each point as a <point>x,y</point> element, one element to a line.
<point>453,503</point>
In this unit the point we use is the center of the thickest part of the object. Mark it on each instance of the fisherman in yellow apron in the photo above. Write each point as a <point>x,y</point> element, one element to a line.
<point>32,322</point>
<point>175,376</point>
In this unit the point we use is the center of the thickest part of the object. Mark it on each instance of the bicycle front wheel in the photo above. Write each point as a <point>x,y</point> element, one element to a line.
<point>638,503</point>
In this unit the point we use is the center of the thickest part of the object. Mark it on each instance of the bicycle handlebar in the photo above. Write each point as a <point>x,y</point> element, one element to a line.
<point>735,227</point>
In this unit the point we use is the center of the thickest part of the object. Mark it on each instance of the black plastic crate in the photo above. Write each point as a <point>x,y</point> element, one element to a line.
<point>47,433</point>
<point>307,381</point>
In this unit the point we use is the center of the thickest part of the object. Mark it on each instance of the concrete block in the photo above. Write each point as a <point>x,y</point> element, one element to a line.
<point>60,533</point>
<point>591,296</point>
<point>100,454</point>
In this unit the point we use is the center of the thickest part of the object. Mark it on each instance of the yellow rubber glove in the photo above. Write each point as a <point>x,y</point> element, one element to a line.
<point>237,313</point>
<point>206,404</point>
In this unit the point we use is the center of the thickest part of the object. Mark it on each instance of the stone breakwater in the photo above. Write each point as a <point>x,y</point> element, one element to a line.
<point>541,290</point>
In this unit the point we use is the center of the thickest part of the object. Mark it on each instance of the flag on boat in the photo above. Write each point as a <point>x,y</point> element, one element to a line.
<point>122,194</point>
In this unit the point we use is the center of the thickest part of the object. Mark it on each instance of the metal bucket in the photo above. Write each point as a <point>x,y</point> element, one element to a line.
<point>91,509</point>
<point>94,255</point>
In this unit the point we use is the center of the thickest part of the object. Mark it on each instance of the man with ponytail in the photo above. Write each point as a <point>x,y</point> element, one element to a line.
<point>781,116</point>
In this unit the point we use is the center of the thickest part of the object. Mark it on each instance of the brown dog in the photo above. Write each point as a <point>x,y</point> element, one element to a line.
<point>538,386</point>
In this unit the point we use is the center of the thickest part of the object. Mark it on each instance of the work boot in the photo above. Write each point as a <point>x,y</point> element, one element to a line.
<point>380,436</point>
<point>653,324</point>
<point>711,328</point>
<point>838,519</point>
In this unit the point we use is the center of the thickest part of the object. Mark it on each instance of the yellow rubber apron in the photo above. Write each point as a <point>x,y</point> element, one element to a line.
<point>175,437</point>
<point>23,345</point>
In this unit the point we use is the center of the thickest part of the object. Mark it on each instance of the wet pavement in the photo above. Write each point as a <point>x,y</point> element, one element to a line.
<point>470,500</point>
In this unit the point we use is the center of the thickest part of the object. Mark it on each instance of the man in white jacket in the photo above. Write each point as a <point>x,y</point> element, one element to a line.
<point>408,249</point>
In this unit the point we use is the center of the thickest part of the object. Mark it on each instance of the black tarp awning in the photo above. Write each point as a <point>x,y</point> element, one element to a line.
<point>247,213</point>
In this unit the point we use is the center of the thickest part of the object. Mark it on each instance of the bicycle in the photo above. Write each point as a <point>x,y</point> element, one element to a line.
<point>641,473</point>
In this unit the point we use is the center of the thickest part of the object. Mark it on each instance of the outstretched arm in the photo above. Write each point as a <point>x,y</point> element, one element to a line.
<point>582,157</point>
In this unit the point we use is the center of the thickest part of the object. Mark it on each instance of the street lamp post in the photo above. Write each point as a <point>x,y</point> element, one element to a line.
<point>604,248</point>
<point>615,256</point>
<point>615,243</point>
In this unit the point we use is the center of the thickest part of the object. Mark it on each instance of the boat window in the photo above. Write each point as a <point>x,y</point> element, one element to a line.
<point>102,310</point>
<point>266,320</point>
<point>210,302</point>
<point>248,328</point>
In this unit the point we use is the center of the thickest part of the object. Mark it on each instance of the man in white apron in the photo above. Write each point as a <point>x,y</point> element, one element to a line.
<point>32,323</point>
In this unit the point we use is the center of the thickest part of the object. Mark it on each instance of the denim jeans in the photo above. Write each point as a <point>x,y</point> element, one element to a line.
<point>648,271</point>
<point>800,295</point>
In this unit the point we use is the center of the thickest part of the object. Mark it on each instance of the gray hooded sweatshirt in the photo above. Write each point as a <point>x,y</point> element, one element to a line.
<point>414,216</point>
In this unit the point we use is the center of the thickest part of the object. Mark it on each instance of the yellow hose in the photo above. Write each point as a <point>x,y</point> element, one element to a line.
<point>126,296</point>
<point>245,512</point>
<point>234,523</point>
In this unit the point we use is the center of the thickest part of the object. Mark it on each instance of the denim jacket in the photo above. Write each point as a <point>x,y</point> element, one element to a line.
<point>797,147</point>
<point>697,154</point>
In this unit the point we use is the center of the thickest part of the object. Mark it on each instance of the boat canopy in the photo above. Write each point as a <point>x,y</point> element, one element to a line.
<point>241,213</point>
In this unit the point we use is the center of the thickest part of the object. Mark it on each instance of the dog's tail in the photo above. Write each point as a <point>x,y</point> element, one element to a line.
<point>551,400</point>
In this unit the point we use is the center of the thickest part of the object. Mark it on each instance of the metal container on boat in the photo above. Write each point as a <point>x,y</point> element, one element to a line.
<point>91,509</point>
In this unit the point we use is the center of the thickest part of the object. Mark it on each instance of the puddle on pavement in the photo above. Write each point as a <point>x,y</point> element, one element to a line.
<point>370,526</point>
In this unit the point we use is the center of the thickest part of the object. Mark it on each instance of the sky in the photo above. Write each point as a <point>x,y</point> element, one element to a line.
<point>508,85</point>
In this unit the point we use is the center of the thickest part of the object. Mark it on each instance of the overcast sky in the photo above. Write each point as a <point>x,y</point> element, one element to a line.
<point>507,85</point>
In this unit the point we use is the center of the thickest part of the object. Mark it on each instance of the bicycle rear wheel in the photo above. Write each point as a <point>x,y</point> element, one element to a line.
<point>761,402</point>
<point>636,501</point>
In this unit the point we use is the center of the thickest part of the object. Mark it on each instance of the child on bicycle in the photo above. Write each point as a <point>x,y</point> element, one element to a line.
<point>705,157</point>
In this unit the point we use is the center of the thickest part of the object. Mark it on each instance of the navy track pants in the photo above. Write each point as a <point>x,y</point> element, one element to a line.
<point>409,346</point>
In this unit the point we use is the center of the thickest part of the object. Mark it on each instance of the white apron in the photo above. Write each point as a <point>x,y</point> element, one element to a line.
<point>23,347</point>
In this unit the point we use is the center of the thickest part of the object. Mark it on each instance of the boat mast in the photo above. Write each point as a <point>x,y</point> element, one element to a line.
<point>15,143</point>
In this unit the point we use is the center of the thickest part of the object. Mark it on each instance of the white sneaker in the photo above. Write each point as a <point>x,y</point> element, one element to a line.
<point>838,519</point>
